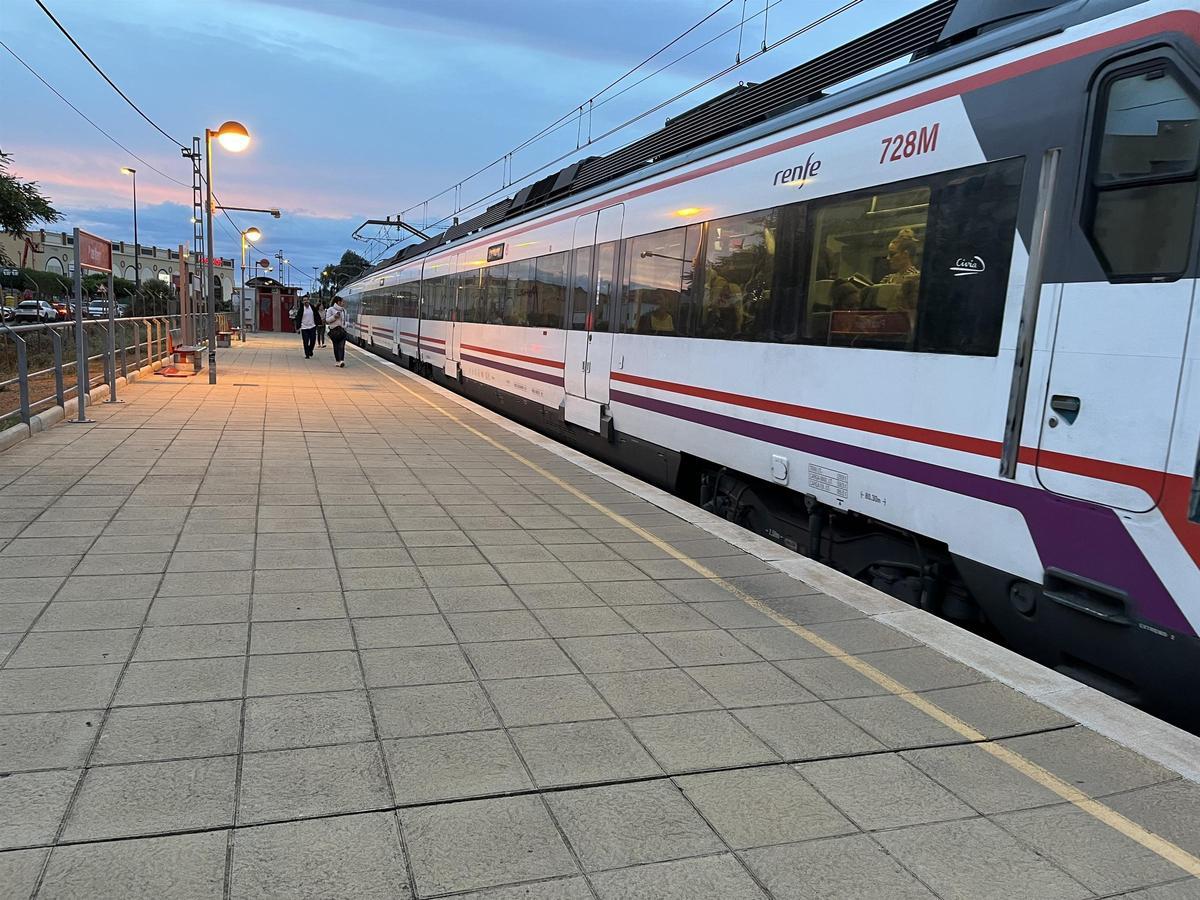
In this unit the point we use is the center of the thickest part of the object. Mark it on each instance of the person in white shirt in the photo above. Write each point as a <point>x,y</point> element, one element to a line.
<point>335,318</point>
<point>306,319</point>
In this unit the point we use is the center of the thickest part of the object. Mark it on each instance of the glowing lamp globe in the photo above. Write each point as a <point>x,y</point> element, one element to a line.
<point>233,136</point>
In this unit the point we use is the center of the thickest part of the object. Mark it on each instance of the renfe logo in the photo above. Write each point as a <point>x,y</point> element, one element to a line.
<point>964,266</point>
<point>798,176</point>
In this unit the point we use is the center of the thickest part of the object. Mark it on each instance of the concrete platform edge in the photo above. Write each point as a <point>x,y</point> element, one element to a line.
<point>1141,732</point>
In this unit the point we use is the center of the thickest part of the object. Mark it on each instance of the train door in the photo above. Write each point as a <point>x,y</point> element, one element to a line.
<point>603,309</point>
<point>1118,345</point>
<point>453,314</point>
<point>576,408</point>
<point>588,355</point>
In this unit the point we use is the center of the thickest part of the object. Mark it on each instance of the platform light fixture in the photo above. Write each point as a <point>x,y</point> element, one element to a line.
<point>234,137</point>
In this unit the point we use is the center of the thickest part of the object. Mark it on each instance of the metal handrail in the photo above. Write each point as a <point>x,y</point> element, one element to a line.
<point>115,352</point>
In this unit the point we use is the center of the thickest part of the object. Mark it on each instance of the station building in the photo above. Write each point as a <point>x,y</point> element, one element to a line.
<point>54,251</point>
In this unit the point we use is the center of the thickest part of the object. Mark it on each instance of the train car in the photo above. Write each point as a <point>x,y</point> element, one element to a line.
<point>934,329</point>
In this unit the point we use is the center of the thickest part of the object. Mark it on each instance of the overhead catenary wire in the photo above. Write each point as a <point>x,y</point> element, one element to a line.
<point>236,235</point>
<point>577,111</point>
<point>186,147</point>
<point>104,75</point>
<point>87,119</point>
<point>564,156</point>
<point>678,96</point>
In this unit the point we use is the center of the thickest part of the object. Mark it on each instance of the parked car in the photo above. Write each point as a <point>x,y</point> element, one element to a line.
<point>98,309</point>
<point>33,311</point>
<point>63,310</point>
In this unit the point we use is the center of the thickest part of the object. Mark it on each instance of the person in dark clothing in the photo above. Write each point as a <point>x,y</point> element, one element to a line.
<point>319,309</point>
<point>335,318</point>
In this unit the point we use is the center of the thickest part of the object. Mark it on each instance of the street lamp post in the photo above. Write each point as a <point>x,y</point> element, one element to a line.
<point>234,137</point>
<point>137,266</point>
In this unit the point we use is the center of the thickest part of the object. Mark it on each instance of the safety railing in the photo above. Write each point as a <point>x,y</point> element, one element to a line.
<point>39,363</point>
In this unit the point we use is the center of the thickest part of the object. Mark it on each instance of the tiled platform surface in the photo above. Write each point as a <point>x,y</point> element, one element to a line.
<point>303,635</point>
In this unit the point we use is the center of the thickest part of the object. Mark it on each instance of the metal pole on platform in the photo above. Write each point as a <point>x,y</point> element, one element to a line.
<point>234,137</point>
<point>112,342</point>
<point>81,376</point>
<point>208,265</point>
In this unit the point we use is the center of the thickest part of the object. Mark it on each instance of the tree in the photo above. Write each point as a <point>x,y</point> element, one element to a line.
<point>336,275</point>
<point>21,205</point>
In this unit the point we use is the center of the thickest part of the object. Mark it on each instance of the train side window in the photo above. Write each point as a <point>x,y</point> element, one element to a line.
<point>520,286</point>
<point>739,269</point>
<point>498,297</point>
<point>551,291</point>
<point>653,277</point>
<point>691,298</point>
<point>471,296</point>
<point>866,269</point>
<point>581,287</point>
<point>434,290</point>
<point>606,286</point>
<point>1143,190</point>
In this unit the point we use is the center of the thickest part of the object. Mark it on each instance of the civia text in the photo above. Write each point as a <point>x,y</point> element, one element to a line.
<point>973,266</point>
<point>799,176</point>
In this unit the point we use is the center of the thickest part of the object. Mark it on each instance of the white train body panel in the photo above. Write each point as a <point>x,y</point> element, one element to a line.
<point>912,439</point>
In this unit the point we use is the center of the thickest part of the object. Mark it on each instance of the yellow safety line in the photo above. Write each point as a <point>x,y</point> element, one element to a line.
<point>1148,839</point>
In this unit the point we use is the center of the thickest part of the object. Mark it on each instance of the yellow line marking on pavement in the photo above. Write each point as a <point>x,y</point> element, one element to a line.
<point>1148,839</point>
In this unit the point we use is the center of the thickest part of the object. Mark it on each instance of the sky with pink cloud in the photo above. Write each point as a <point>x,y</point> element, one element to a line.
<point>358,108</point>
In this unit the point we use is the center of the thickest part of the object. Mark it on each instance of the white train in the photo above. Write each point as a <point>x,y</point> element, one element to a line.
<point>935,329</point>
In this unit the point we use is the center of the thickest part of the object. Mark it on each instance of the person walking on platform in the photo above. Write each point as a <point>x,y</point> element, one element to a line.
<point>335,318</point>
<point>319,312</point>
<point>306,322</point>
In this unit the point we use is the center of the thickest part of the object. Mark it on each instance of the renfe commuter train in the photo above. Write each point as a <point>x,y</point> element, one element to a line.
<point>933,327</point>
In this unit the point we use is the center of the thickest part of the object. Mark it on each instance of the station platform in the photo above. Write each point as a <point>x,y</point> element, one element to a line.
<point>320,632</point>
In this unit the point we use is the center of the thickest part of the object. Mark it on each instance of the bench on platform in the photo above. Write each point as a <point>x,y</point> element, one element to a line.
<point>224,338</point>
<point>190,355</point>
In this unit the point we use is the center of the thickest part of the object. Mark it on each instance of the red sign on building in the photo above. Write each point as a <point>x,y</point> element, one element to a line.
<point>94,252</point>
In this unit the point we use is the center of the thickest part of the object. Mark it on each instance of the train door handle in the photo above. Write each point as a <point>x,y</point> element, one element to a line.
<point>1066,406</point>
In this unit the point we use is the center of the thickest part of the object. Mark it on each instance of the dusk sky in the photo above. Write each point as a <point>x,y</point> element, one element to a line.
<point>359,108</point>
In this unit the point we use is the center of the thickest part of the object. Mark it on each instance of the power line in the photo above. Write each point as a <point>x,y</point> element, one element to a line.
<point>237,230</point>
<point>567,118</point>
<point>104,75</point>
<point>84,116</point>
<point>766,48</point>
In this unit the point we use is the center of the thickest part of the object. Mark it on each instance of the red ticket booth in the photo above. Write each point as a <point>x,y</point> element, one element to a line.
<point>275,304</point>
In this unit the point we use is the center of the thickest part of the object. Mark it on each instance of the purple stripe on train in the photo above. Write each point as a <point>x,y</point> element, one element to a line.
<point>1072,535</point>
<point>512,370</point>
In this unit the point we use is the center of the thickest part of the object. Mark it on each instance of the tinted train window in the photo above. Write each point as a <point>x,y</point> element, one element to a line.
<point>498,297</point>
<point>471,297</point>
<point>652,281</point>
<point>1143,190</point>
<point>866,269</point>
<point>739,272</point>
<point>581,287</point>
<point>520,289</point>
<point>551,291</point>
<point>606,286</point>
<point>968,248</point>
